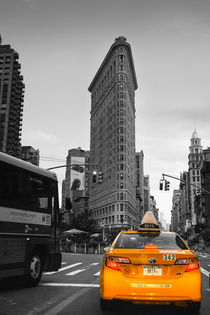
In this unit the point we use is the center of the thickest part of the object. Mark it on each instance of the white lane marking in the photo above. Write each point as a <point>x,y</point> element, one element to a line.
<point>59,307</point>
<point>97,274</point>
<point>205,272</point>
<point>80,270</point>
<point>63,263</point>
<point>202,255</point>
<point>62,269</point>
<point>83,285</point>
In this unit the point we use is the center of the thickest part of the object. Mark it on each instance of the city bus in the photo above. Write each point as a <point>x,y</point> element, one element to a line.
<point>30,234</point>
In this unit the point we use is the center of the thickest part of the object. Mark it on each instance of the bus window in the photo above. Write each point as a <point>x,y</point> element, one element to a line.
<point>37,194</point>
<point>54,203</point>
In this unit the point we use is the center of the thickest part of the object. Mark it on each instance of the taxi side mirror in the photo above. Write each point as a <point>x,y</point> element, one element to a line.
<point>106,249</point>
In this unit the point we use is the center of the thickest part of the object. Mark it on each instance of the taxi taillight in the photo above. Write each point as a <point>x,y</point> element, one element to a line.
<point>113,262</point>
<point>191,263</point>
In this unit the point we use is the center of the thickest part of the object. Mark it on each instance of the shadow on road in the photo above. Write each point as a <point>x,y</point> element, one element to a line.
<point>9,284</point>
<point>128,308</point>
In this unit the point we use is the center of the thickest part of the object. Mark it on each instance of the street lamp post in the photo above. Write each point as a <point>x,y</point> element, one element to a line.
<point>102,226</point>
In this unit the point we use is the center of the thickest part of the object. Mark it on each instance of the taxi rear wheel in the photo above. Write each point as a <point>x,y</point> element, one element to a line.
<point>105,304</point>
<point>195,307</point>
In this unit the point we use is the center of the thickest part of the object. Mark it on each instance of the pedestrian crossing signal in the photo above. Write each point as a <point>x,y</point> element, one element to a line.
<point>100,177</point>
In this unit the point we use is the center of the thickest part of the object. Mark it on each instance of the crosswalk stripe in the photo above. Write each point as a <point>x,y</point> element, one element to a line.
<point>80,270</point>
<point>97,274</point>
<point>205,272</point>
<point>202,255</point>
<point>62,269</point>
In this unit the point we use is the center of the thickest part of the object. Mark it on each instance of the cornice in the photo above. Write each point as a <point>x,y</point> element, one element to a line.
<point>118,42</point>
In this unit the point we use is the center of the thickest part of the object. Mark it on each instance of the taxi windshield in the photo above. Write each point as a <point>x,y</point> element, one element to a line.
<point>140,240</point>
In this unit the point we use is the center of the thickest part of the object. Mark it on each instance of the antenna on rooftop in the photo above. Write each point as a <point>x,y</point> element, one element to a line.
<point>194,123</point>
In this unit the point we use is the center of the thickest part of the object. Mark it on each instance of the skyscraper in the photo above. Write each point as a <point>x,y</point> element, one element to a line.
<point>11,101</point>
<point>140,184</point>
<point>195,159</point>
<point>112,139</point>
<point>29,154</point>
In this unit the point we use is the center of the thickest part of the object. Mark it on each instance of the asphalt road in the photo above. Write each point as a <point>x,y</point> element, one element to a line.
<point>75,290</point>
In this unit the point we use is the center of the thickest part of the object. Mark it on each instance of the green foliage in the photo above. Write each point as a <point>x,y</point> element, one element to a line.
<point>84,222</point>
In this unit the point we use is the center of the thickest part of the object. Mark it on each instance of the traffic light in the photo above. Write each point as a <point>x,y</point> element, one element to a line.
<point>167,185</point>
<point>100,177</point>
<point>161,184</point>
<point>94,176</point>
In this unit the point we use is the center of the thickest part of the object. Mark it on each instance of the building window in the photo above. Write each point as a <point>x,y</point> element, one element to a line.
<point>121,58</point>
<point>122,157</point>
<point>121,167</point>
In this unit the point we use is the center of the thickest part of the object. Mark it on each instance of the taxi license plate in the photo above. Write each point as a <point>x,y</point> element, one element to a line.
<point>152,271</point>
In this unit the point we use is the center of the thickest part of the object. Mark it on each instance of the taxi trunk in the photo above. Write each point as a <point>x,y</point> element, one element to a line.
<point>154,263</point>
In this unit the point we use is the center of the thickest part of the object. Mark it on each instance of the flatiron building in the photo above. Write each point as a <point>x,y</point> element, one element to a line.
<point>112,201</point>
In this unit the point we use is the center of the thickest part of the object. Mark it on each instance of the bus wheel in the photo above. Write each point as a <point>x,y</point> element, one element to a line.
<point>34,269</point>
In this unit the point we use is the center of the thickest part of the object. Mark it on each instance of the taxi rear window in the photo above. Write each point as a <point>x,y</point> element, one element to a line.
<point>139,241</point>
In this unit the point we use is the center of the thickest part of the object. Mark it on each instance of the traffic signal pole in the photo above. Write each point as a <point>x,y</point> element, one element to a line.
<point>186,182</point>
<point>70,165</point>
<point>97,175</point>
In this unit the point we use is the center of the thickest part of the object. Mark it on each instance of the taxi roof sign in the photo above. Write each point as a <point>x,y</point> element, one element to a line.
<point>149,223</point>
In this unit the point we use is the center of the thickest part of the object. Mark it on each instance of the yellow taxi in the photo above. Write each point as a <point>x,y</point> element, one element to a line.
<point>150,267</point>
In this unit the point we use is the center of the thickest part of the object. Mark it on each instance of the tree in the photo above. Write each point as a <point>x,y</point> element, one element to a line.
<point>84,222</point>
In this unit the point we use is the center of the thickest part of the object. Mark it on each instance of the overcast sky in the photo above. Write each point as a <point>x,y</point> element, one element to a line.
<point>61,45</point>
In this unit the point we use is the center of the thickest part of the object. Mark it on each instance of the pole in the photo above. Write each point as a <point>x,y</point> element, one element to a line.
<point>186,182</point>
<point>208,275</point>
<point>70,165</point>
